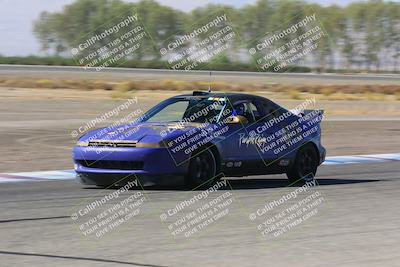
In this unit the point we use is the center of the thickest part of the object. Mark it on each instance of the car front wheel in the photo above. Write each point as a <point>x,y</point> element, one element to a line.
<point>202,169</point>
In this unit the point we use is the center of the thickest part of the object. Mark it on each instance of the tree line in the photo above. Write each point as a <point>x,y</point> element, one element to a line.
<point>361,35</point>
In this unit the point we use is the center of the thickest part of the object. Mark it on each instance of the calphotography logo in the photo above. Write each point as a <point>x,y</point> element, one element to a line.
<point>200,211</point>
<point>112,43</point>
<point>279,216</point>
<point>287,45</point>
<point>104,215</point>
<point>92,124</point>
<point>211,37</point>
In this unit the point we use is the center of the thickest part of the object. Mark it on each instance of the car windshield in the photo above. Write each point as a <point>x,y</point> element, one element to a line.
<point>191,109</point>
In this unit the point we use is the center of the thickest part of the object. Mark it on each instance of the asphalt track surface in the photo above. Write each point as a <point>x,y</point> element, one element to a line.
<point>357,225</point>
<point>66,72</point>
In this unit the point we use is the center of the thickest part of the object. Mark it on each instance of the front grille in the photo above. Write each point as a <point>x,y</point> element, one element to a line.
<point>112,164</point>
<point>112,143</point>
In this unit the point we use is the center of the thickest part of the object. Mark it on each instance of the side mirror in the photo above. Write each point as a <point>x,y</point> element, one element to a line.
<point>236,120</point>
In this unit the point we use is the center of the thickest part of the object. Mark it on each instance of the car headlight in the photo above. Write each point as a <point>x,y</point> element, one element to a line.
<point>82,143</point>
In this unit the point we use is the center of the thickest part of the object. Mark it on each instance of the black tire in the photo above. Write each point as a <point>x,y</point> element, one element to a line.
<point>202,169</point>
<point>305,165</point>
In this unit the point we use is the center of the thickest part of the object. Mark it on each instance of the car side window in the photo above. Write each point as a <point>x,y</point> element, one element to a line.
<point>243,109</point>
<point>270,111</point>
<point>255,111</point>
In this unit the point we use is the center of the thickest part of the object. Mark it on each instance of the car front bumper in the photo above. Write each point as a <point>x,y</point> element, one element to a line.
<point>151,165</point>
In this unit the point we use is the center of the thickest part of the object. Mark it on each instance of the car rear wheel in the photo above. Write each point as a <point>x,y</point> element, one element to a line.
<point>305,165</point>
<point>202,169</point>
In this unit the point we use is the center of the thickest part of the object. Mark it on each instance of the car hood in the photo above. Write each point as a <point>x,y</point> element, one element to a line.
<point>136,132</point>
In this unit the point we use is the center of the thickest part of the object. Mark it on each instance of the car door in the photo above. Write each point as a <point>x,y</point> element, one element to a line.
<point>242,148</point>
<point>262,130</point>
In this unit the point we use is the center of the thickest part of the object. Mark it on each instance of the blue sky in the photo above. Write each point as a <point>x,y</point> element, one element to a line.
<point>16,18</point>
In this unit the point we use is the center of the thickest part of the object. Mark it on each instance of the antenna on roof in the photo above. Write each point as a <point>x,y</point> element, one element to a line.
<point>209,84</point>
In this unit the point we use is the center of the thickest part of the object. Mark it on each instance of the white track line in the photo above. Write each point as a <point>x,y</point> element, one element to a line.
<point>362,159</point>
<point>70,174</point>
<point>37,176</point>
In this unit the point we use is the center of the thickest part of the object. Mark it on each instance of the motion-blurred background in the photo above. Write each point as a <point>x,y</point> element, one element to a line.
<point>363,35</point>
